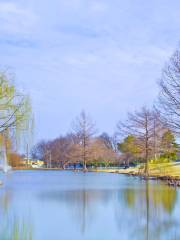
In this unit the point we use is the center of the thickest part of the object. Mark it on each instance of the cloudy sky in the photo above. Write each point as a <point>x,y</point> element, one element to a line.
<point>103,56</point>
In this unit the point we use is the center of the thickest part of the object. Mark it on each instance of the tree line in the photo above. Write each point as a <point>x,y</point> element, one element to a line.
<point>80,146</point>
<point>147,137</point>
<point>150,134</point>
<point>147,134</point>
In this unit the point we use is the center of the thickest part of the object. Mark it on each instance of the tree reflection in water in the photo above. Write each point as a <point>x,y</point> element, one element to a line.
<point>11,227</point>
<point>126,209</point>
<point>151,209</point>
<point>82,203</point>
<point>145,211</point>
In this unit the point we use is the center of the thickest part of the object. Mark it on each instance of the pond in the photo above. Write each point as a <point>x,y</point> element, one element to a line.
<point>65,205</point>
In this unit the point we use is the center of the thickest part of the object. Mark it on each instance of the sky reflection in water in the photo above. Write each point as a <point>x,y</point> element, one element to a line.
<point>36,205</point>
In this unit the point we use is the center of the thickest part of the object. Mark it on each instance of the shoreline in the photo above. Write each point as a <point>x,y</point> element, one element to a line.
<point>168,172</point>
<point>170,179</point>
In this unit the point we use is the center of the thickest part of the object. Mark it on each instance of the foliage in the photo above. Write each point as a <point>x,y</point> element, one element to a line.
<point>15,160</point>
<point>16,119</point>
<point>129,145</point>
<point>15,108</point>
<point>169,146</point>
<point>66,150</point>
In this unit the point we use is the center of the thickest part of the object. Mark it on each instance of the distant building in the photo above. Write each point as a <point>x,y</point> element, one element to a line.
<point>33,163</point>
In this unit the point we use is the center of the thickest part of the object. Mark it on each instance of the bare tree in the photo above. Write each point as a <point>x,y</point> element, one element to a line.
<point>169,97</point>
<point>158,129</point>
<point>101,152</point>
<point>147,127</point>
<point>107,140</point>
<point>84,129</point>
<point>39,151</point>
<point>59,151</point>
<point>65,150</point>
<point>140,125</point>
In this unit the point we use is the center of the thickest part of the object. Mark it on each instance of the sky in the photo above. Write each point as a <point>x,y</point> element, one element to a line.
<point>102,56</point>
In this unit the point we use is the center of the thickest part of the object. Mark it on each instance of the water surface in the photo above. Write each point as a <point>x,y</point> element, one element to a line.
<point>62,205</point>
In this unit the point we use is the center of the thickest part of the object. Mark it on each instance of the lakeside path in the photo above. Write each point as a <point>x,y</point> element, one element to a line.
<point>163,171</point>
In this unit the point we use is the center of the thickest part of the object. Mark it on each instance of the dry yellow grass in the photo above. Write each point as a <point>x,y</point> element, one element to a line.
<point>155,170</point>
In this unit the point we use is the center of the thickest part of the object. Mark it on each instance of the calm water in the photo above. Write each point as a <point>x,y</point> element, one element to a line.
<point>55,205</point>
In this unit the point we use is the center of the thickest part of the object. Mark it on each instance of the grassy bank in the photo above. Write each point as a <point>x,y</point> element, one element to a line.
<point>160,170</point>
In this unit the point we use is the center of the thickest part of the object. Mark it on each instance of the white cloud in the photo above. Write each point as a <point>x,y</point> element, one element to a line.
<point>98,6</point>
<point>15,19</point>
<point>97,54</point>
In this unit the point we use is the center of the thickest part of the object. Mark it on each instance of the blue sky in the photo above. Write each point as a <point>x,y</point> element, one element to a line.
<point>99,55</point>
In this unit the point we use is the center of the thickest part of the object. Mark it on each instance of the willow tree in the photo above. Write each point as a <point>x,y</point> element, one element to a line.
<point>15,113</point>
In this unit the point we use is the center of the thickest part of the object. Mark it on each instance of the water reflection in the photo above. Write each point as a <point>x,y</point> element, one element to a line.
<point>88,207</point>
<point>153,207</point>
<point>157,195</point>
<point>83,204</point>
<point>5,201</point>
<point>12,227</point>
<point>15,230</point>
<point>147,206</point>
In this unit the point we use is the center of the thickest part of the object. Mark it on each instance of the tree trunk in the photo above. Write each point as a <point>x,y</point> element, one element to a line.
<point>146,148</point>
<point>84,154</point>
